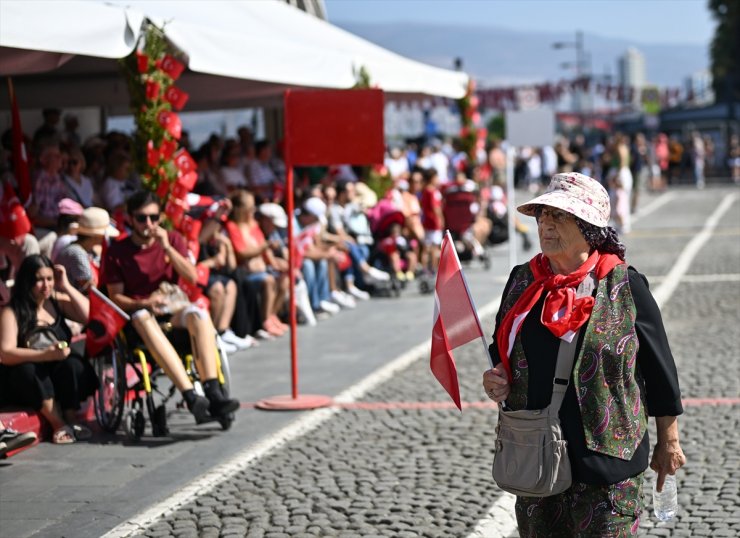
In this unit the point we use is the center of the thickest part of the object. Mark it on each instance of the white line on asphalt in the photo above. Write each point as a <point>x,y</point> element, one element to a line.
<point>499,523</point>
<point>700,279</point>
<point>652,206</point>
<point>668,286</point>
<point>303,425</point>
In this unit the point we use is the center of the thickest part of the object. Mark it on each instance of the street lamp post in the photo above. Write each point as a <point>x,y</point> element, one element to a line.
<point>579,63</point>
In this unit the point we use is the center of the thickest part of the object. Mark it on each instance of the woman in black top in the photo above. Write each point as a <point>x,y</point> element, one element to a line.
<point>38,368</point>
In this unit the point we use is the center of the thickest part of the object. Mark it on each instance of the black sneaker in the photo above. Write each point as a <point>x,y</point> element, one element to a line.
<point>221,408</point>
<point>13,440</point>
<point>199,409</point>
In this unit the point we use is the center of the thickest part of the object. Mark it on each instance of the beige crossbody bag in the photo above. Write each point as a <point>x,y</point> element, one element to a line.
<point>531,458</point>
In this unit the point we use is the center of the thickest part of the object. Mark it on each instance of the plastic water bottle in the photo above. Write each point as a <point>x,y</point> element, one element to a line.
<point>665,503</point>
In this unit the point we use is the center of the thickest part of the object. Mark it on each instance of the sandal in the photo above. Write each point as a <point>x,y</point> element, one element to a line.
<point>82,433</point>
<point>64,436</point>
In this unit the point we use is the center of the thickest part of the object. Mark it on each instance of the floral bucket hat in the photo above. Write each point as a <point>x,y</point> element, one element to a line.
<point>577,194</point>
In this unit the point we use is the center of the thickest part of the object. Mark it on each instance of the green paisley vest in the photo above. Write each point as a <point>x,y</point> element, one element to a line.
<point>607,381</point>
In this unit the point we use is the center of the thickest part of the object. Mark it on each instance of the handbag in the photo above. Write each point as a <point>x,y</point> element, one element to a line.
<point>531,458</point>
<point>43,337</point>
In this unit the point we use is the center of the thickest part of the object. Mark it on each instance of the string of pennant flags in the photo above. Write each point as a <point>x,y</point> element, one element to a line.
<point>520,96</point>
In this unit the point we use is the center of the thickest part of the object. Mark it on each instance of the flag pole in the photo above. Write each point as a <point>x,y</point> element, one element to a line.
<point>470,298</point>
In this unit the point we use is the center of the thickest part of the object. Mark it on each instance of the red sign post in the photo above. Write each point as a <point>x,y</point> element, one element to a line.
<point>323,127</point>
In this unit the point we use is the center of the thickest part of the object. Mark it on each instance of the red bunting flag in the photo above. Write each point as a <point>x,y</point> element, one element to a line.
<point>14,222</point>
<point>203,274</point>
<point>184,161</point>
<point>163,189</point>
<point>184,184</point>
<point>235,235</point>
<point>455,319</point>
<point>151,90</point>
<point>194,249</point>
<point>167,148</point>
<point>175,210</point>
<point>172,67</point>
<point>106,321</point>
<point>171,122</point>
<point>142,62</point>
<point>152,154</point>
<point>20,154</point>
<point>190,227</point>
<point>176,97</point>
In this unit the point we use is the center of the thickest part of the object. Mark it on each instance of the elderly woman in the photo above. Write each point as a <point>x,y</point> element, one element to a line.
<point>623,368</point>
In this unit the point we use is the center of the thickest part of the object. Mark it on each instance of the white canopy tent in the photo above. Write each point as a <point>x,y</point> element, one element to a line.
<point>240,53</point>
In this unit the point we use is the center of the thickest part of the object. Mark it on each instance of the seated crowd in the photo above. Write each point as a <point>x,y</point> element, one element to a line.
<point>94,227</point>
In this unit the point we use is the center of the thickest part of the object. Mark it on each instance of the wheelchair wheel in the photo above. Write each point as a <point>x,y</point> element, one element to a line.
<point>135,424</point>
<point>110,398</point>
<point>159,422</point>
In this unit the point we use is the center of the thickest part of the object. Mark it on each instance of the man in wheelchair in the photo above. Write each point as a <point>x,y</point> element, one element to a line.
<point>133,270</point>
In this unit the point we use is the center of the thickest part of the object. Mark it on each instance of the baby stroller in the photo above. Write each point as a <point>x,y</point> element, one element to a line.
<point>382,218</point>
<point>461,209</point>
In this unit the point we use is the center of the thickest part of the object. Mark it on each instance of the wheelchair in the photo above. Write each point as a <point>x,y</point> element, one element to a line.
<point>128,378</point>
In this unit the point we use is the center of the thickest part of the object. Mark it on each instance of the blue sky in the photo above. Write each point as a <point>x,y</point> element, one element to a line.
<point>645,21</point>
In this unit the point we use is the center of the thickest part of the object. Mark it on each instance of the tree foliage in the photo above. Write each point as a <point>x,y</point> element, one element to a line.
<point>725,49</point>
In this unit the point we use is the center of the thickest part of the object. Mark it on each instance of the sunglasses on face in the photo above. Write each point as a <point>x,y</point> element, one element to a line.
<point>557,215</point>
<point>141,218</point>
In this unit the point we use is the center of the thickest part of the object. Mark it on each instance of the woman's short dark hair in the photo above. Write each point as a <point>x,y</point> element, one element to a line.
<point>20,298</point>
<point>605,240</point>
<point>139,199</point>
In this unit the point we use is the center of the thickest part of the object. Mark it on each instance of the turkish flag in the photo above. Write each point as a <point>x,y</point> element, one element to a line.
<point>106,321</point>
<point>175,210</point>
<point>203,274</point>
<point>172,67</point>
<point>176,97</point>
<point>455,319</point>
<point>171,122</point>
<point>14,223</point>
<point>190,227</point>
<point>151,89</point>
<point>167,148</point>
<point>235,235</point>
<point>152,154</point>
<point>142,62</point>
<point>20,153</point>
<point>184,161</point>
<point>163,189</point>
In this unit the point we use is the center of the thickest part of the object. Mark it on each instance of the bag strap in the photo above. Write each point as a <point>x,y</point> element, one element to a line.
<point>567,353</point>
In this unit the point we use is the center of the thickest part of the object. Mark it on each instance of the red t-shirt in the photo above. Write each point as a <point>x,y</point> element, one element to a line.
<point>141,270</point>
<point>431,201</point>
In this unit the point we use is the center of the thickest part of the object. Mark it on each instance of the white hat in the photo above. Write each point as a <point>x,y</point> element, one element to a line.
<point>316,207</point>
<point>95,222</point>
<point>577,194</point>
<point>275,213</point>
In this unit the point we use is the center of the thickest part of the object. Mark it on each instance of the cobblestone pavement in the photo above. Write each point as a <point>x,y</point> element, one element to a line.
<point>400,462</point>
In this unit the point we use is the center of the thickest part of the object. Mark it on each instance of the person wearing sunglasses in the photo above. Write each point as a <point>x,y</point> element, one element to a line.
<point>133,270</point>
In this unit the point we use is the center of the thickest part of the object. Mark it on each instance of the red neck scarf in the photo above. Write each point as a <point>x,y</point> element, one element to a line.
<point>563,312</point>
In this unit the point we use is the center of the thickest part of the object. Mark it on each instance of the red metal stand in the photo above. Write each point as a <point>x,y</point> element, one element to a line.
<point>294,401</point>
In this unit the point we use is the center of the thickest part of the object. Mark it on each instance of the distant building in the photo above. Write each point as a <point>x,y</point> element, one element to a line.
<point>698,87</point>
<point>632,73</point>
<point>317,8</point>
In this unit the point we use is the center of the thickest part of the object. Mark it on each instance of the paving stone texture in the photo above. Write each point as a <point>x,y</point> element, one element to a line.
<point>426,472</point>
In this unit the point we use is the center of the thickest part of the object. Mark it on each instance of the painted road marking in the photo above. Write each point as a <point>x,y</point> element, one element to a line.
<point>668,286</point>
<point>652,206</point>
<point>301,426</point>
